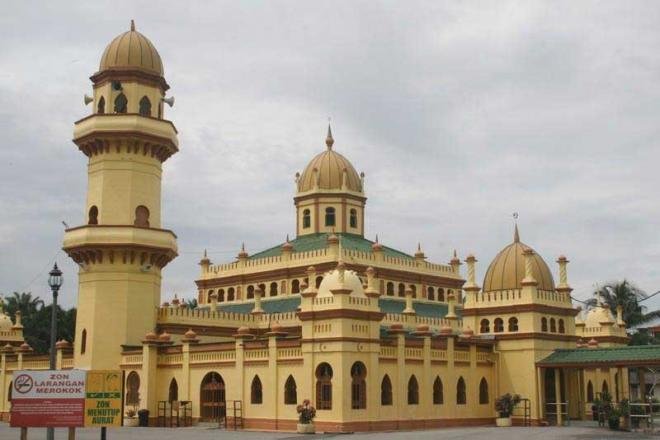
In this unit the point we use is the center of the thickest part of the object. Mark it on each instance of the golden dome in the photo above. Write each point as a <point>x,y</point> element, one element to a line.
<point>131,50</point>
<point>599,315</point>
<point>328,168</point>
<point>507,270</point>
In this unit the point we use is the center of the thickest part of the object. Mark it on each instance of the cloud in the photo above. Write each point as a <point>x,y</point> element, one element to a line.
<point>459,114</point>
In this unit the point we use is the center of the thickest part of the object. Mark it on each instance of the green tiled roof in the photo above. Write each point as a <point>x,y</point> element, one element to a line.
<point>629,355</point>
<point>312,242</point>
<point>428,310</point>
<point>291,303</point>
<point>279,305</point>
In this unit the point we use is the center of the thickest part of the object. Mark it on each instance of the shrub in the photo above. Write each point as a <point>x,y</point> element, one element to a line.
<point>505,404</point>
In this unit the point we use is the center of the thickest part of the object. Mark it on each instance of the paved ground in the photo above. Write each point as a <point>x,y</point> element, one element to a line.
<point>200,433</point>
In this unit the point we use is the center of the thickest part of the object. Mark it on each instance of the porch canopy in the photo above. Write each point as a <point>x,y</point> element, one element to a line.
<point>629,356</point>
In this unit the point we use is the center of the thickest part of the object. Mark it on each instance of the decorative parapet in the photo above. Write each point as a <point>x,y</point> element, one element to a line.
<point>319,256</point>
<point>516,297</point>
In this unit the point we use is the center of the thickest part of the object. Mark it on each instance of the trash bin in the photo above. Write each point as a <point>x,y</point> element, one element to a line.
<point>143,417</point>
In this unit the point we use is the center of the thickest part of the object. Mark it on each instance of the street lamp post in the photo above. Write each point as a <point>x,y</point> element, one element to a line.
<point>55,282</point>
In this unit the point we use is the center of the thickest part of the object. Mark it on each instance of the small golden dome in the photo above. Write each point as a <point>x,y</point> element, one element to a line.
<point>164,337</point>
<point>131,50</point>
<point>507,270</point>
<point>328,169</point>
<point>599,315</point>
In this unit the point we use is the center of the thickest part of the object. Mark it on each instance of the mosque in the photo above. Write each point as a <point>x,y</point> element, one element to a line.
<point>377,338</point>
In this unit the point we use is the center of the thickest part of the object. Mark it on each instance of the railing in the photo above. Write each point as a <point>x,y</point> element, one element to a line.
<point>289,353</point>
<point>440,355</point>
<point>414,353</point>
<point>256,354</point>
<point>555,413</point>
<point>67,363</point>
<point>36,365</point>
<point>215,356</point>
<point>170,359</point>
<point>132,359</point>
<point>388,352</point>
<point>483,357</point>
<point>461,356</point>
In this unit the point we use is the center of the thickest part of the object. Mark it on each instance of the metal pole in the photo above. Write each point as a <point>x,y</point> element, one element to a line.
<point>104,433</point>
<point>50,433</point>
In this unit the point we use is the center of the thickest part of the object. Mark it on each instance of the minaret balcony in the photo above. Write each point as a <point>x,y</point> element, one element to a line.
<point>88,241</point>
<point>94,133</point>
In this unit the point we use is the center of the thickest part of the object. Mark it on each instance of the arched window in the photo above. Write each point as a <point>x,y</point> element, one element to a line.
<point>212,397</point>
<point>413,391</point>
<point>141,217</point>
<point>145,106</point>
<point>438,393</point>
<point>329,216</point>
<point>208,296</point>
<point>230,294</point>
<point>590,392</point>
<point>430,294</point>
<point>100,108</point>
<point>386,391</point>
<point>484,326</point>
<point>483,391</point>
<point>544,324</point>
<point>390,288</point>
<point>513,324</point>
<point>460,391</point>
<point>358,386</point>
<point>402,290</point>
<point>173,394</point>
<point>250,292</point>
<point>221,295</point>
<point>605,389</point>
<point>318,281</point>
<point>93,218</point>
<point>414,290</point>
<point>290,391</point>
<point>273,289</point>
<point>295,286</point>
<point>83,341</point>
<point>324,386</point>
<point>353,220</point>
<point>133,389</point>
<point>553,325</point>
<point>307,219</point>
<point>498,325</point>
<point>561,326</point>
<point>121,103</point>
<point>441,294</point>
<point>256,394</point>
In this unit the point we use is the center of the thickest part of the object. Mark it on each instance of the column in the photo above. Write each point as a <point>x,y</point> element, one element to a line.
<point>558,407</point>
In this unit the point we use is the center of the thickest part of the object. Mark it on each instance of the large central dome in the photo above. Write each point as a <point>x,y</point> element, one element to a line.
<point>328,169</point>
<point>508,269</point>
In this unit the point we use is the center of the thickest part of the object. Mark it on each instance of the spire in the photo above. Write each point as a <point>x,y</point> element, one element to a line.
<point>516,235</point>
<point>132,26</point>
<point>329,141</point>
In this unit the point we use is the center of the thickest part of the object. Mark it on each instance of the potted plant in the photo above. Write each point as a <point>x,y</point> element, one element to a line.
<point>504,406</point>
<point>306,414</point>
<point>130,418</point>
<point>613,419</point>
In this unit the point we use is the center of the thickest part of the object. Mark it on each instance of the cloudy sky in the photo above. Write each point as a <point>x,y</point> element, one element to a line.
<point>459,113</point>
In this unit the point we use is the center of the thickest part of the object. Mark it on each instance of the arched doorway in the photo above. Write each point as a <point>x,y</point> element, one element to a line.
<point>212,398</point>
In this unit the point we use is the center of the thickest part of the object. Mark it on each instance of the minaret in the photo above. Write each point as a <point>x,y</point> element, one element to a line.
<point>121,248</point>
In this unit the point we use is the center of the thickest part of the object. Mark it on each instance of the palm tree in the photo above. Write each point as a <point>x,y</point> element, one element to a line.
<point>191,303</point>
<point>24,302</point>
<point>628,296</point>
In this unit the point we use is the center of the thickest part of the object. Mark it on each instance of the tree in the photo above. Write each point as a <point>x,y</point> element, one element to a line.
<point>24,302</point>
<point>191,303</point>
<point>628,296</point>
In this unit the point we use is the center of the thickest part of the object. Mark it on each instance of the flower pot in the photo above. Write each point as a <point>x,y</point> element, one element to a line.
<point>130,421</point>
<point>503,421</point>
<point>306,428</point>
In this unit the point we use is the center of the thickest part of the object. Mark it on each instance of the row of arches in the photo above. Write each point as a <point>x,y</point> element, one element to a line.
<point>498,325</point>
<point>330,218</point>
<point>121,105</point>
<point>556,326</point>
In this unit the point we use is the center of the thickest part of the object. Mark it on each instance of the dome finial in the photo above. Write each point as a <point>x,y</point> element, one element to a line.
<point>132,26</point>
<point>329,141</point>
<point>516,235</point>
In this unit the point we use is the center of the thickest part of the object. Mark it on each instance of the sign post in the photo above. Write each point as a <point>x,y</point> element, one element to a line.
<point>103,399</point>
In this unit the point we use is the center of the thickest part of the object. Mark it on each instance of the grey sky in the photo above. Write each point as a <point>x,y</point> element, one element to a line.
<point>459,113</point>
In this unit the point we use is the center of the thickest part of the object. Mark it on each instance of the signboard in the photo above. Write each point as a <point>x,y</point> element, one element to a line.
<point>103,398</point>
<point>52,398</point>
